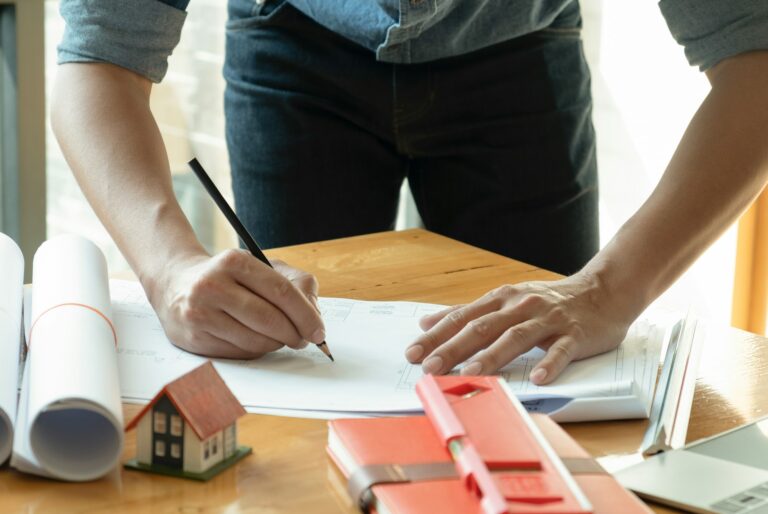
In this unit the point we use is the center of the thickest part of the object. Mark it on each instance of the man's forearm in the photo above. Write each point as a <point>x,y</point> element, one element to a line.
<point>102,120</point>
<point>720,166</point>
<point>230,305</point>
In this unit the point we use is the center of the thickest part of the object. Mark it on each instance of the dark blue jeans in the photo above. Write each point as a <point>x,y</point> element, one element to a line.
<point>497,145</point>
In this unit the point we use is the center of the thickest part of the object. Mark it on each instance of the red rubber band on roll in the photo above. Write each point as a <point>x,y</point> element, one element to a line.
<point>49,309</point>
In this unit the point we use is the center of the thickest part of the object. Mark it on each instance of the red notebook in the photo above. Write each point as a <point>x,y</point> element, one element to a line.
<point>407,465</point>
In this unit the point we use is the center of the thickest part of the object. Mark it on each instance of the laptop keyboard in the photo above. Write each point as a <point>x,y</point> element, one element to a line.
<point>750,501</point>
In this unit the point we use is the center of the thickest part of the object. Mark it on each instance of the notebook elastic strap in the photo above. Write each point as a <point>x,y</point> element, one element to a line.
<point>365,477</point>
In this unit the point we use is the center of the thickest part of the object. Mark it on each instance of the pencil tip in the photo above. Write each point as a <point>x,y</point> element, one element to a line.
<point>324,348</point>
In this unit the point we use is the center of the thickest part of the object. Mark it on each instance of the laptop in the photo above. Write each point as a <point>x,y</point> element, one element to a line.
<point>724,474</point>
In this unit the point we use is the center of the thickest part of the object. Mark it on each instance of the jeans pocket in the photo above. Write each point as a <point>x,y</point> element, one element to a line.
<point>263,13</point>
<point>560,32</point>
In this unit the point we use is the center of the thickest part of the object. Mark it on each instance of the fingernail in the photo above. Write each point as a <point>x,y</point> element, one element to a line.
<point>538,375</point>
<point>318,336</point>
<point>473,368</point>
<point>414,352</point>
<point>433,365</point>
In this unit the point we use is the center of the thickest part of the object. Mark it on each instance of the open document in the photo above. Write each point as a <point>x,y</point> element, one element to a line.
<point>370,375</point>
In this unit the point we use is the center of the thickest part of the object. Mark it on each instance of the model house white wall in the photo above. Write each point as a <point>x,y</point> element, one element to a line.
<point>144,440</point>
<point>195,460</point>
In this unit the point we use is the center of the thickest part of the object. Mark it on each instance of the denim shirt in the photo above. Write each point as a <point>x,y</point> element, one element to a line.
<point>141,34</point>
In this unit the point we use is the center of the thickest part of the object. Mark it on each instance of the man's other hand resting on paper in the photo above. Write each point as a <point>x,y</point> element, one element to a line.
<point>568,318</point>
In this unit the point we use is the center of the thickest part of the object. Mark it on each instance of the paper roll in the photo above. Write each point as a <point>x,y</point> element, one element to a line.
<point>74,413</point>
<point>11,295</point>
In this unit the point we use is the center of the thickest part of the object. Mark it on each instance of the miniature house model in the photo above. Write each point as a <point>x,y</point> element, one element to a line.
<point>189,428</point>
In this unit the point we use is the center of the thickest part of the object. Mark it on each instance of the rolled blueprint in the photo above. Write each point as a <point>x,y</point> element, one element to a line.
<point>11,294</point>
<point>70,417</point>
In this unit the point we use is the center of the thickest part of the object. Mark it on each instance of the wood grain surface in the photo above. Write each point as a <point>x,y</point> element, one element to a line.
<point>289,471</point>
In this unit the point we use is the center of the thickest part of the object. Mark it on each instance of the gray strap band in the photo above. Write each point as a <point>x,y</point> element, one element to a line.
<point>365,477</point>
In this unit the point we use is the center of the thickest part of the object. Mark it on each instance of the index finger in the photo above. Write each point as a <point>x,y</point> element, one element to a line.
<point>280,292</point>
<point>450,324</point>
<point>430,320</point>
<point>305,282</point>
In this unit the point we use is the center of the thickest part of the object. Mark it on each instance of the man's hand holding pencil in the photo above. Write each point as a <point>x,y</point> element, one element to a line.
<point>232,305</point>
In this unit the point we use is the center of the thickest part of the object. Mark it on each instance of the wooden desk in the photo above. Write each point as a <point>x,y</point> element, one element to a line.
<point>289,472</point>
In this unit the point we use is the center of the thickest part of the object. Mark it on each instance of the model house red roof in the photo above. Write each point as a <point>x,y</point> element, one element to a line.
<point>202,399</point>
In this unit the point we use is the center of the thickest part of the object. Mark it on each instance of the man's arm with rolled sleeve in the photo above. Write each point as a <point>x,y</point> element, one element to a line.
<point>719,167</point>
<point>229,305</point>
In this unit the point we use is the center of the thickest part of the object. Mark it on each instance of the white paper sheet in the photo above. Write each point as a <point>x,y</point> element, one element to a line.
<point>370,374</point>
<point>70,418</point>
<point>11,286</point>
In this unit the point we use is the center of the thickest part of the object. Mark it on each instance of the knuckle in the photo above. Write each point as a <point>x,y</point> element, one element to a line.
<point>307,283</point>
<point>492,362</point>
<point>232,259</point>
<point>282,288</point>
<point>428,340</point>
<point>557,315</point>
<point>204,286</point>
<point>451,354</point>
<point>456,318</point>
<point>580,334</point>
<point>575,329</point>
<point>505,291</point>
<point>192,342</point>
<point>532,302</point>
<point>193,315</point>
<point>478,326</point>
<point>516,336</point>
<point>310,280</point>
<point>561,353</point>
<point>267,320</point>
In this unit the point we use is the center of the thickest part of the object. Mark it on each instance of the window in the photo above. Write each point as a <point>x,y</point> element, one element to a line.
<point>22,124</point>
<point>187,105</point>
<point>159,418</point>
<point>176,425</point>
<point>176,450</point>
<point>160,448</point>
<point>215,445</point>
<point>206,450</point>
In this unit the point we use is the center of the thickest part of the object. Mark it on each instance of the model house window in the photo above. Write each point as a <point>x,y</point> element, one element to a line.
<point>159,418</point>
<point>206,450</point>
<point>176,425</point>
<point>160,448</point>
<point>176,450</point>
<point>215,445</point>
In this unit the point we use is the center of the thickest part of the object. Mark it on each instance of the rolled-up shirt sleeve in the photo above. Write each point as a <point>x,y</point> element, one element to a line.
<point>713,30</point>
<point>135,34</point>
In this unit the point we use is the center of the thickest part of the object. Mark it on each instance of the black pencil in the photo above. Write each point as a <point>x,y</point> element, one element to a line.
<point>242,232</point>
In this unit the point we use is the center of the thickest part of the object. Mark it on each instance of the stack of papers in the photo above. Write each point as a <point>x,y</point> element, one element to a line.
<point>370,375</point>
